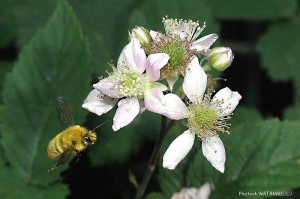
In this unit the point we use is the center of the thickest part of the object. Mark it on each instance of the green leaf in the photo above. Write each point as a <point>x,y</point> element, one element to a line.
<point>31,16</point>
<point>5,68</point>
<point>171,181</point>
<point>280,47</point>
<point>200,171</point>
<point>55,63</point>
<point>99,19</point>
<point>150,13</point>
<point>124,142</point>
<point>260,156</point>
<point>292,113</point>
<point>254,9</point>
<point>8,23</point>
<point>12,186</point>
<point>155,195</point>
<point>244,115</point>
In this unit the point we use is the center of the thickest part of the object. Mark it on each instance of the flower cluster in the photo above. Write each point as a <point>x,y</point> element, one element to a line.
<point>136,85</point>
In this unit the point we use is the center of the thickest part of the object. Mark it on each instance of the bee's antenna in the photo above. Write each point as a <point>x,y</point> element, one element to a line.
<point>107,144</point>
<point>100,125</point>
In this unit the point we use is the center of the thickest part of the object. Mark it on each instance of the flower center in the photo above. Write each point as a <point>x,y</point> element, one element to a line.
<point>204,119</point>
<point>175,49</point>
<point>178,51</point>
<point>130,83</point>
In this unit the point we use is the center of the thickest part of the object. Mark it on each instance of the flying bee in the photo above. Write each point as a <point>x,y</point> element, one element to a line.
<point>73,140</point>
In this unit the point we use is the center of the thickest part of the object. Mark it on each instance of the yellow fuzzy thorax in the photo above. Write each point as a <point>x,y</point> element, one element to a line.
<point>70,140</point>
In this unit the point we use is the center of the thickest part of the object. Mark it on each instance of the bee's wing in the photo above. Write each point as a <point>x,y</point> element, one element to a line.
<point>64,112</point>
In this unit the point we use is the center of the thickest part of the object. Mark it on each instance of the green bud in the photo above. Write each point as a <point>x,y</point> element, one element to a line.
<point>220,58</point>
<point>142,35</point>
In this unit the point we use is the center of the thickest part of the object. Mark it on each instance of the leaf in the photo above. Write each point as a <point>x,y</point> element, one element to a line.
<point>253,10</point>
<point>55,63</point>
<point>260,156</point>
<point>155,195</point>
<point>292,113</point>
<point>99,19</point>
<point>126,141</point>
<point>12,186</point>
<point>244,115</point>
<point>5,68</point>
<point>171,181</point>
<point>200,171</point>
<point>7,21</point>
<point>150,14</point>
<point>279,48</point>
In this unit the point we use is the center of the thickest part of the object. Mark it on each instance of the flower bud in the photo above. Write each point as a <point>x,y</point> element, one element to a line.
<point>142,35</point>
<point>220,58</point>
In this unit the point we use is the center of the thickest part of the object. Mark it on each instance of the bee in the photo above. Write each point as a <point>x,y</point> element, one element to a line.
<point>73,140</point>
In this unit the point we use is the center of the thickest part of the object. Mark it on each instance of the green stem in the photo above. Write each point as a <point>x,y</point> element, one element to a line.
<point>165,126</point>
<point>206,67</point>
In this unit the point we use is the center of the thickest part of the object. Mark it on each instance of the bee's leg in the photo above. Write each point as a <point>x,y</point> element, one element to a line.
<point>78,156</point>
<point>54,167</point>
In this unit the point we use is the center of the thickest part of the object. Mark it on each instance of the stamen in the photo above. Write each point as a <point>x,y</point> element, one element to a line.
<point>130,83</point>
<point>186,29</point>
<point>205,118</point>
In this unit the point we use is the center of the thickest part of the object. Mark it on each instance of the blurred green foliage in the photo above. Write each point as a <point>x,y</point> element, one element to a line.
<point>49,66</point>
<point>64,45</point>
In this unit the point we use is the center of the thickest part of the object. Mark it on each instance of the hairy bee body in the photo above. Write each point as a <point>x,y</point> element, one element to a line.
<point>74,139</point>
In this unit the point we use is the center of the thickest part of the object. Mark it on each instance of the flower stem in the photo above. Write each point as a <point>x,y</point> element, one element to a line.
<point>206,67</point>
<point>165,126</point>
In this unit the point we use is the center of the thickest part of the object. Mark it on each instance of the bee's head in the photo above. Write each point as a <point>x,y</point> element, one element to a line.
<point>90,137</point>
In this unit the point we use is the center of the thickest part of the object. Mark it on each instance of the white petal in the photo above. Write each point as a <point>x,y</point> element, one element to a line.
<point>204,192</point>
<point>213,149</point>
<point>155,101</point>
<point>175,107</point>
<point>203,44</point>
<point>156,36</point>
<point>154,63</point>
<point>169,105</point>
<point>134,56</point>
<point>98,103</point>
<point>127,110</point>
<point>107,87</point>
<point>178,149</point>
<point>195,81</point>
<point>227,99</point>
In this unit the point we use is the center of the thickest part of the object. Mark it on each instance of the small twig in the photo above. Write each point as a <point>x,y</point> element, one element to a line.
<point>165,126</point>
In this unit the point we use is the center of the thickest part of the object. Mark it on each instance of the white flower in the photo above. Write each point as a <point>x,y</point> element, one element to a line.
<point>202,192</point>
<point>206,117</point>
<point>128,83</point>
<point>188,31</point>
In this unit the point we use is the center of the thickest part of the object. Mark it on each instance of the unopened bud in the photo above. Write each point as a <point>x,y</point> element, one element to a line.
<point>220,58</point>
<point>142,35</point>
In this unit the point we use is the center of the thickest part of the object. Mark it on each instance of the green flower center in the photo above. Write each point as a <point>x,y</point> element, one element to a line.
<point>204,118</point>
<point>178,51</point>
<point>130,82</point>
<point>175,49</point>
